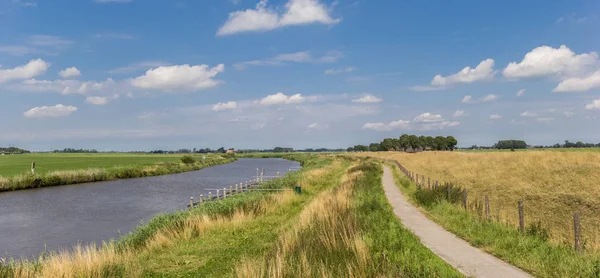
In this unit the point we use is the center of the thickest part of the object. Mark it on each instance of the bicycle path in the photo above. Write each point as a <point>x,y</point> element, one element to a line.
<point>455,251</point>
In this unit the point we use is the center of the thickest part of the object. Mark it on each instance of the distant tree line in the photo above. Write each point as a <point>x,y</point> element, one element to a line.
<point>510,144</point>
<point>70,150</point>
<point>411,143</point>
<point>13,150</point>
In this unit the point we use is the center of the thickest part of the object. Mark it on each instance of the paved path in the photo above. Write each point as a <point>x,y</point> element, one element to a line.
<point>455,251</point>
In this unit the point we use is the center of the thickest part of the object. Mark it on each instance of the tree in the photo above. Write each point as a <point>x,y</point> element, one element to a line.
<point>451,142</point>
<point>221,150</point>
<point>361,148</point>
<point>413,142</point>
<point>350,149</point>
<point>387,144</point>
<point>374,147</point>
<point>440,143</point>
<point>404,141</point>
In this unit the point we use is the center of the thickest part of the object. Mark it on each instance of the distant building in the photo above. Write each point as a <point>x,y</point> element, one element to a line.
<point>230,151</point>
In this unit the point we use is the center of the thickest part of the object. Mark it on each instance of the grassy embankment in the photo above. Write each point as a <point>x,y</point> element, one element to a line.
<point>552,185</point>
<point>341,226</point>
<point>63,169</point>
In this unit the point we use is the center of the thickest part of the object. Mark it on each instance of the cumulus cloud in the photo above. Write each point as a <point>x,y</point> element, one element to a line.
<point>483,71</point>
<point>528,114</point>
<point>428,118</point>
<point>368,99</point>
<point>132,68</point>
<point>180,77</point>
<point>221,106</point>
<point>545,61</point>
<point>400,124</point>
<point>338,71</point>
<point>281,98</point>
<point>296,57</point>
<point>495,116</point>
<point>460,113</point>
<point>545,119</point>
<point>521,92</point>
<point>264,18</point>
<point>595,105</point>
<point>317,126</point>
<point>58,110</point>
<point>29,70</point>
<point>100,100</point>
<point>488,98</point>
<point>69,72</point>
<point>579,84</point>
<point>66,86</point>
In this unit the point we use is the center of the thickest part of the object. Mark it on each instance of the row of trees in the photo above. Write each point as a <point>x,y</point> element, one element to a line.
<point>71,150</point>
<point>410,143</point>
<point>13,150</point>
<point>510,144</point>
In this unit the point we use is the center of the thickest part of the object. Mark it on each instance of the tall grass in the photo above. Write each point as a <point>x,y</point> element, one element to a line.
<point>348,231</point>
<point>56,178</point>
<point>531,251</point>
<point>553,185</point>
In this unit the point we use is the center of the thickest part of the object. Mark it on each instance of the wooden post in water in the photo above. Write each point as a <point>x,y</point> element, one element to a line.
<point>230,190</point>
<point>217,194</point>
<point>577,230</point>
<point>201,199</point>
<point>278,174</point>
<point>191,202</point>
<point>257,173</point>
<point>224,192</point>
<point>464,197</point>
<point>487,207</point>
<point>210,195</point>
<point>236,188</point>
<point>521,217</point>
<point>33,168</point>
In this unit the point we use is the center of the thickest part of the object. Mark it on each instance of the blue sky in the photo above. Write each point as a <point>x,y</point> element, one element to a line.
<point>141,75</point>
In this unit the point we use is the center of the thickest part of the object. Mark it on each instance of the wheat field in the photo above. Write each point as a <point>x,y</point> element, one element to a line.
<point>552,185</point>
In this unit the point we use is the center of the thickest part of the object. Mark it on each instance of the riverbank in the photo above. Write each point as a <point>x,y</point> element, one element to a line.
<point>67,177</point>
<point>340,226</point>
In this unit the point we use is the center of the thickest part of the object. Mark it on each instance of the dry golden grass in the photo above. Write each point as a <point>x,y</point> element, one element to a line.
<point>324,224</point>
<point>553,185</point>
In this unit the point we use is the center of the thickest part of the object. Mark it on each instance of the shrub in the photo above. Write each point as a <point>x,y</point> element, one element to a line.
<point>188,159</point>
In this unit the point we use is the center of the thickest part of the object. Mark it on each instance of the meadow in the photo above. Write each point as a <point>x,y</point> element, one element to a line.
<point>63,169</point>
<point>340,226</point>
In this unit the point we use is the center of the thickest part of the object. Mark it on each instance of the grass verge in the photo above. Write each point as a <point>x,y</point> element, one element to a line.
<point>531,251</point>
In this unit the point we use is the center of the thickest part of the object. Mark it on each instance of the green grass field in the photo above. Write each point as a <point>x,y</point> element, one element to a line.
<point>537,150</point>
<point>12,165</point>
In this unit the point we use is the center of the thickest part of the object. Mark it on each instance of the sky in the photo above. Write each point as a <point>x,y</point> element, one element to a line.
<point>168,74</point>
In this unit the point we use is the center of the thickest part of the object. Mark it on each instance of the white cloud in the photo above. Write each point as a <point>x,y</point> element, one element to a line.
<point>569,114</point>
<point>483,71</point>
<point>180,77</point>
<point>579,84</point>
<point>58,110</point>
<point>263,18</point>
<point>495,116</point>
<point>400,124</point>
<point>338,71</point>
<point>545,119</point>
<point>488,98</point>
<point>119,36</point>
<point>594,105</point>
<point>257,126</point>
<point>368,99</point>
<point>428,118</point>
<point>66,86</point>
<point>45,40</point>
<point>460,113</point>
<point>521,92</point>
<point>224,106</point>
<point>30,70</point>
<point>545,61</point>
<point>100,100</point>
<point>528,114</point>
<point>281,98</point>
<point>296,57</point>
<point>18,50</point>
<point>317,126</point>
<point>69,72</point>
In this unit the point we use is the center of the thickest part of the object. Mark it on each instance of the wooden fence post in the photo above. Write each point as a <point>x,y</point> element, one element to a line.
<point>236,188</point>
<point>210,195</point>
<point>217,194</point>
<point>464,198</point>
<point>429,183</point>
<point>577,230</point>
<point>191,202</point>
<point>33,168</point>
<point>201,199</point>
<point>224,192</point>
<point>521,217</point>
<point>487,207</point>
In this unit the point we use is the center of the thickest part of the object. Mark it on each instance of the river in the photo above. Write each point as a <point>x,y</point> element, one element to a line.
<point>57,218</point>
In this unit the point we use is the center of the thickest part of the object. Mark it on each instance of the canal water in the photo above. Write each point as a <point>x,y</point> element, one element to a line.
<point>57,218</point>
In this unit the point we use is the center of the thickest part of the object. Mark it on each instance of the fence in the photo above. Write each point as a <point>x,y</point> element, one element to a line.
<point>250,185</point>
<point>459,195</point>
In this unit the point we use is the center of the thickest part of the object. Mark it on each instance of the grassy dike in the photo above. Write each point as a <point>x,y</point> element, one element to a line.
<point>341,226</point>
<point>531,251</point>
<point>56,178</point>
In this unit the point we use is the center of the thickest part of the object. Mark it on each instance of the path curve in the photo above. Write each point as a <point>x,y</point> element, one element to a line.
<point>455,251</point>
